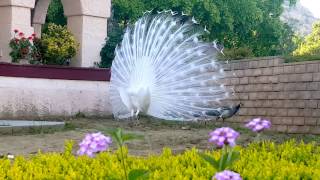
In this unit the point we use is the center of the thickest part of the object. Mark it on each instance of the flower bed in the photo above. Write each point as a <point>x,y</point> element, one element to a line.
<point>226,161</point>
<point>266,160</point>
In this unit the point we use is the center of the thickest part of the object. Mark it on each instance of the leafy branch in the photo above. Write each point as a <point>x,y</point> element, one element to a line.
<point>121,138</point>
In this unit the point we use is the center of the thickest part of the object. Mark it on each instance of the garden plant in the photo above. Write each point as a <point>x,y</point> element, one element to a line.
<point>97,158</point>
<point>167,67</point>
<point>24,48</point>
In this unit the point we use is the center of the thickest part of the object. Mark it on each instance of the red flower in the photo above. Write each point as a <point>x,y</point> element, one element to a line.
<point>21,34</point>
<point>16,31</point>
<point>34,35</point>
<point>16,40</point>
<point>30,38</point>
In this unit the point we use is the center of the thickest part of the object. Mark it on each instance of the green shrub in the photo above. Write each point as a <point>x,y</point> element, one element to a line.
<point>37,50</point>
<point>290,58</point>
<point>266,160</point>
<point>252,23</point>
<point>311,45</point>
<point>59,45</point>
<point>23,47</point>
<point>236,53</point>
<point>115,33</point>
<point>55,15</point>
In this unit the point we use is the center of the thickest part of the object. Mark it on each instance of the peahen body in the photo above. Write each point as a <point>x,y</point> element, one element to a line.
<point>162,69</point>
<point>228,112</point>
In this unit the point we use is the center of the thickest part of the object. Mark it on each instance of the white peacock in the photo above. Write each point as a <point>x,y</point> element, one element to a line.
<point>162,69</point>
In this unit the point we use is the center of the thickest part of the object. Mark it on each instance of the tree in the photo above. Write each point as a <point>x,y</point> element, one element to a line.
<point>311,45</point>
<point>251,24</point>
<point>55,15</point>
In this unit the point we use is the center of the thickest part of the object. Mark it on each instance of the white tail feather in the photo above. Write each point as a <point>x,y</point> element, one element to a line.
<point>162,69</point>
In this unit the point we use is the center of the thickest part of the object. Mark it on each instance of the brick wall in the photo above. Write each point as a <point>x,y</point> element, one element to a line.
<point>286,93</point>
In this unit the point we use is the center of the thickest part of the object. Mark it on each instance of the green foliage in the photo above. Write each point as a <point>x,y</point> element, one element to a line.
<point>21,48</point>
<point>286,161</point>
<point>251,24</point>
<point>138,174</point>
<point>290,58</point>
<point>115,33</point>
<point>236,53</point>
<point>37,51</point>
<point>24,47</point>
<point>265,160</point>
<point>311,45</point>
<point>55,14</point>
<point>121,138</point>
<point>68,148</point>
<point>80,114</point>
<point>59,45</point>
<point>226,160</point>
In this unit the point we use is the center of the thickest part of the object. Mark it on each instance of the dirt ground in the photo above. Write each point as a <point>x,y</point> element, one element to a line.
<point>157,135</point>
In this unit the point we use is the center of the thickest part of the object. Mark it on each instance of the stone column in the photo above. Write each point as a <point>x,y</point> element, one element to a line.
<point>14,14</point>
<point>39,17</point>
<point>87,20</point>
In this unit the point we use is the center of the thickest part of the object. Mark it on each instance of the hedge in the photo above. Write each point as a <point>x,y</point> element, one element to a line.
<point>266,160</point>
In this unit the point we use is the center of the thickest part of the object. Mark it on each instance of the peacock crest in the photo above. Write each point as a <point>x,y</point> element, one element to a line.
<point>163,69</point>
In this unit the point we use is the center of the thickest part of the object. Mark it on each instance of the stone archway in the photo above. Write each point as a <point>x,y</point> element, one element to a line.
<point>87,20</point>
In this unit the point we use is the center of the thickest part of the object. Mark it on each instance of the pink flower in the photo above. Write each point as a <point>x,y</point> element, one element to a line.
<point>21,34</point>
<point>224,136</point>
<point>258,124</point>
<point>93,143</point>
<point>227,175</point>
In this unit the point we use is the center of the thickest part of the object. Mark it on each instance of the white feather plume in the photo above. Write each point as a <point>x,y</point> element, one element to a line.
<point>162,69</point>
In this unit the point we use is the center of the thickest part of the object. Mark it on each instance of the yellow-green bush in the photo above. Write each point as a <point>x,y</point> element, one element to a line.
<point>267,160</point>
<point>311,45</point>
<point>58,45</point>
<point>236,53</point>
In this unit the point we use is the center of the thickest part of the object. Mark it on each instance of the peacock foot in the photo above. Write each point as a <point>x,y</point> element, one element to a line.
<point>203,122</point>
<point>134,122</point>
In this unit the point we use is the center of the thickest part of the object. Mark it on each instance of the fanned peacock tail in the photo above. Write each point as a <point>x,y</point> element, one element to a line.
<point>162,69</point>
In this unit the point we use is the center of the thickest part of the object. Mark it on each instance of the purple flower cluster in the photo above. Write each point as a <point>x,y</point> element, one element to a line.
<point>258,124</point>
<point>227,175</point>
<point>93,143</point>
<point>223,136</point>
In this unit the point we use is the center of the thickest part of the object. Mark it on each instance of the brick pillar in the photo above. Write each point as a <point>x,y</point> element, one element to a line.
<point>14,14</point>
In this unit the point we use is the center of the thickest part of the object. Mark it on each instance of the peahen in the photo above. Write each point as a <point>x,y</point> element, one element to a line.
<point>162,69</point>
<point>228,112</point>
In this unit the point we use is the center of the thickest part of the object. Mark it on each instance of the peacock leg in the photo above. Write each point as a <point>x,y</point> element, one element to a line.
<point>137,113</point>
<point>136,118</point>
<point>132,117</point>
